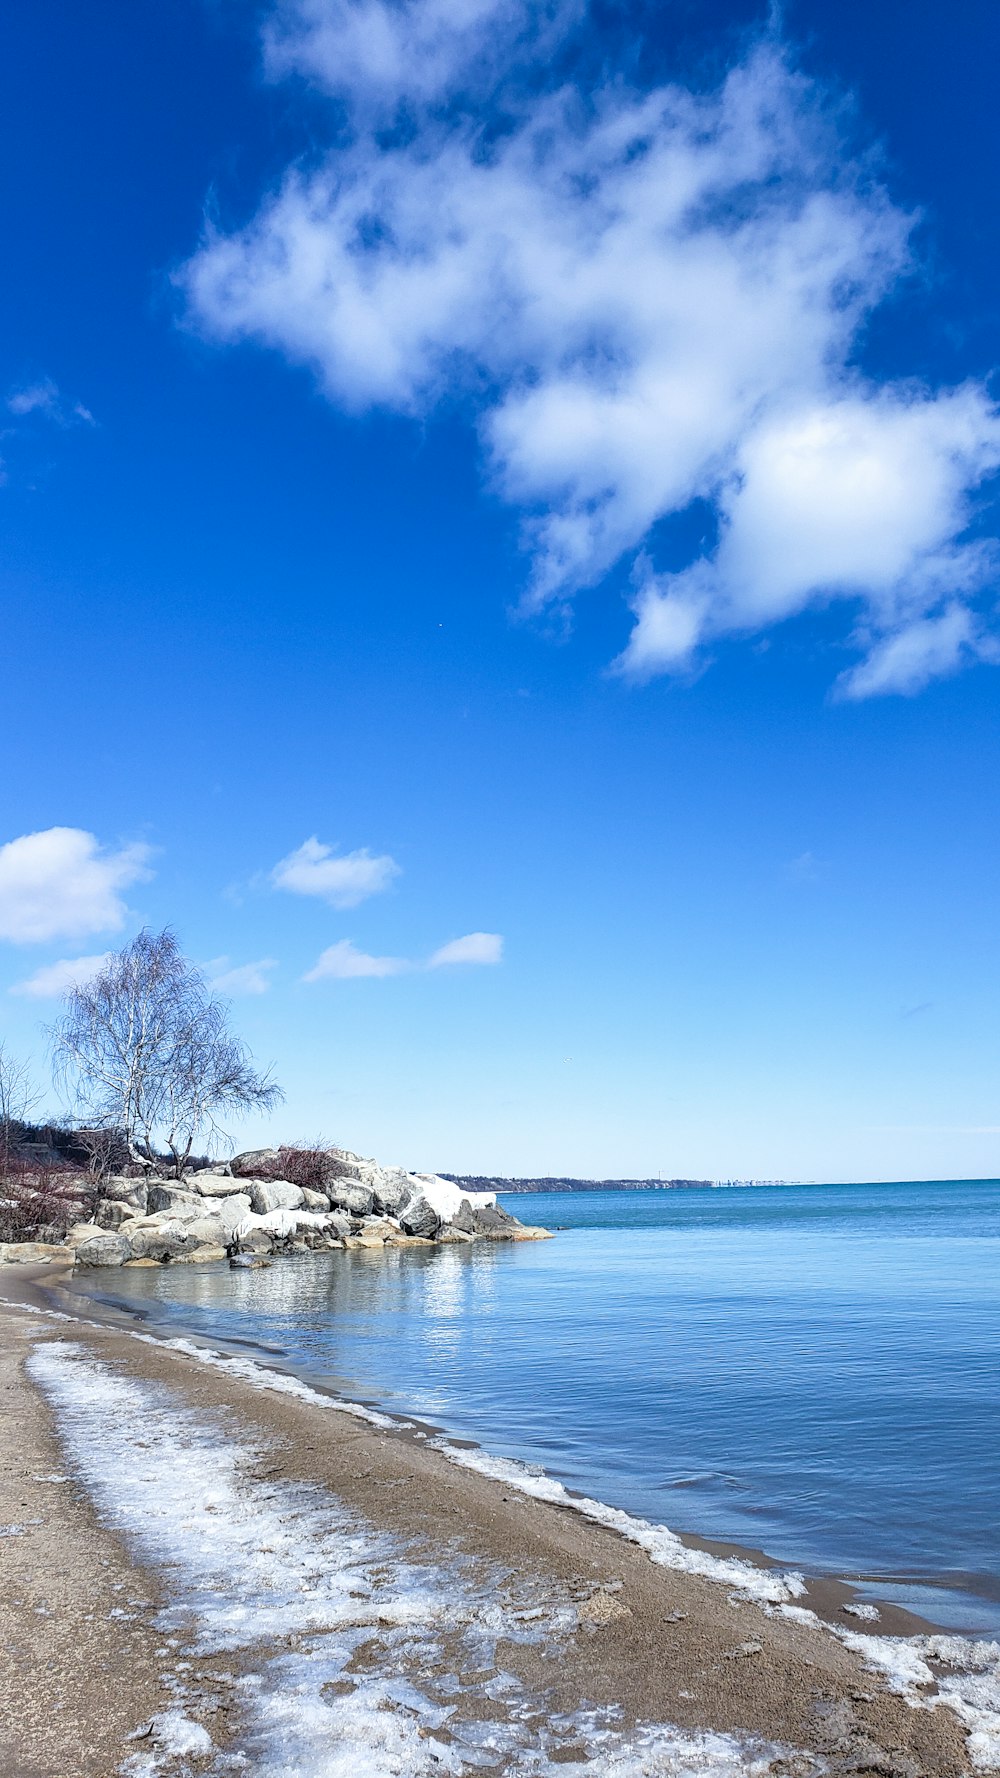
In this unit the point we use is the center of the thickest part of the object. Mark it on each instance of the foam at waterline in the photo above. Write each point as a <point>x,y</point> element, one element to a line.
<point>247,1562</point>
<point>662,1545</point>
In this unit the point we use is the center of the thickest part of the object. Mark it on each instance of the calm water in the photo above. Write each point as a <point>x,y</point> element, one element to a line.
<point>808,1370</point>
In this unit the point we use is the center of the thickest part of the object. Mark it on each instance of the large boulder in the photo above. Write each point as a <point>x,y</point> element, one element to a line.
<point>274,1194</point>
<point>32,1253</point>
<point>392,1189</point>
<point>161,1196</point>
<point>464,1218</point>
<point>419,1218</point>
<point>252,1162</point>
<point>494,1223</point>
<point>123,1190</point>
<point>111,1213</point>
<point>358,1199</point>
<point>314,1200</point>
<point>216,1185</point>
<point>103,1250</point>
<point>228,1212</point>
<point>160,1240</point>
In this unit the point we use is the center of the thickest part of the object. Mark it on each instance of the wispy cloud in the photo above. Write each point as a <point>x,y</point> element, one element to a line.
<point>44,398</point>
<point>61,883</point>
<point>475,947</point>
<point>55,979</point>
<point>654,298</point>
<point>241,978</point>
<point>343,962</point>
<point>806,868</point>
<point>342,879</point>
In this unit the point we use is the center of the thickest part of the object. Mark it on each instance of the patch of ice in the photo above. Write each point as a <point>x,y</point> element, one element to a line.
<point>909,1665</point>
<point>662,1545</point>
<point>282,1222</point>
<point>870,1614</point>
<point>249,1564</point>
<point>172,1736</point>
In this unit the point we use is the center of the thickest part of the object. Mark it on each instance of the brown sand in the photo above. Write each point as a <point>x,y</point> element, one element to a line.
<point>665,1646</point>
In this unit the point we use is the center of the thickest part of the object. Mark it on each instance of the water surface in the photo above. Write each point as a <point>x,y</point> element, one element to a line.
<point>808,1370</point>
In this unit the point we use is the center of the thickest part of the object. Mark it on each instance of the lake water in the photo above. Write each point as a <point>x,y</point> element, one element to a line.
<point>809,1370</point>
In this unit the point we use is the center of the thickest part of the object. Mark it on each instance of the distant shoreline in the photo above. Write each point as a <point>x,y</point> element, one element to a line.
<point>471,1182</point>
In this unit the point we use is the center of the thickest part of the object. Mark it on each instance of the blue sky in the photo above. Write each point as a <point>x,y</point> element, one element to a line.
<point>523,477</point>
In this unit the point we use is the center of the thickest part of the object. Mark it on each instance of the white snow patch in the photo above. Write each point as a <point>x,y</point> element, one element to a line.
<point>445,1198</point>
<point>249,1564</point>
<point>870,1614</point>
<point>172,1736</point>
<point>912,1664</point>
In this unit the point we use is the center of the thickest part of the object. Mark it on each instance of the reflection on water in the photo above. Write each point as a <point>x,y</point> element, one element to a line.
<point>811,1370</point>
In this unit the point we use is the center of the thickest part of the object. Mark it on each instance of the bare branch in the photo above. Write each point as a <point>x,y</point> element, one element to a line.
<point>145,1048</point>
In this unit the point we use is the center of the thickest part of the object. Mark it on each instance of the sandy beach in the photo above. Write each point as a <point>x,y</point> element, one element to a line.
<point>495,1631</point>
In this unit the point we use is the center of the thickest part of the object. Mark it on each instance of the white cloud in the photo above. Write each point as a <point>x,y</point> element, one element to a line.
<point>378,55</point>
<point>55,979</point>
<point>343,879</point>
<point>343,962</point>
<point>240,978</point>
<point>654,298</point>
<point>475,947</point>
<point>61,884</point>
<point>44,398</point>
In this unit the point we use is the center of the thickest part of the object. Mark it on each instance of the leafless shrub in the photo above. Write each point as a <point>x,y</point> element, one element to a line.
<point>306,1165</point>
<point>145,1047</point>
<point>39,1200</point>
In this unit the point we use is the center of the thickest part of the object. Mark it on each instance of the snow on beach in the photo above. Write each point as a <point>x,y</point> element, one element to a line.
<point>291,1585</point>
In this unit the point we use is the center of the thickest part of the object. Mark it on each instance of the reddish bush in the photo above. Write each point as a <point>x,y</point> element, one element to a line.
<point>40,1200</point>
<point>308,1166</point>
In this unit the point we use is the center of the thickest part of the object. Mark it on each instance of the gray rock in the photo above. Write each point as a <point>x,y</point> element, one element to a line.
<point>209,1231</point>
<point>418,1218</point>
<point>126,1191</point>
<point>246,1166</point>
<point>248,1262</point>
<point>229,1211</point>
<point>274,1194</point>
<point>392,1190</point>
<point>221,1170</point>
<point>111,1213</point>
<point>216,1185</point>
<point>315,1200</point>
<point>256,1241</point>
<point>464,1218</point>
<point>32,1253</point>
<point>450,1236</point>
<point>162,1241</point>
<point>103,1250</point>
<point>495,1223</point>
<point>160,1196</point>
<point>358,1199</point>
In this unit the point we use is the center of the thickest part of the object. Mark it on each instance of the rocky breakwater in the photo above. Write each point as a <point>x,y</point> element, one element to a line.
<point>243,1212</point>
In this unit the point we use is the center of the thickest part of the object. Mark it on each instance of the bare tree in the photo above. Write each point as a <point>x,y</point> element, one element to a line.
<point>18,1097</point>
<point>145,1048</point>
